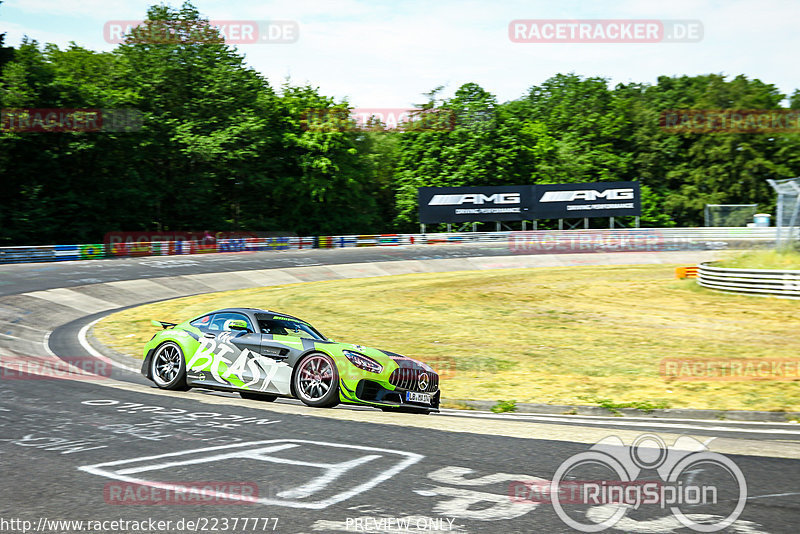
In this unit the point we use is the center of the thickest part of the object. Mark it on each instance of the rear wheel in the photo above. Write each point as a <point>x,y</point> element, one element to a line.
<point>265,397</point>
<point>168,367</point>
<point>316,381</point>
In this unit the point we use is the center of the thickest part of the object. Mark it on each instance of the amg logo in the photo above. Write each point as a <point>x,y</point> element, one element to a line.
<point>477,198</point>
<point>587,194</point>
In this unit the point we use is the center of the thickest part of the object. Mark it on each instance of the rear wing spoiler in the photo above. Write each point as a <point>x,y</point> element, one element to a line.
<point>163,324</point>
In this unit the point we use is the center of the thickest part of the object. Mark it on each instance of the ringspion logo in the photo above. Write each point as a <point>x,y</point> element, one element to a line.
<point>646,474</point>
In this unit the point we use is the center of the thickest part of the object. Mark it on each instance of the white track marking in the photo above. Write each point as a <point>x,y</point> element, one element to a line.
<point>502,507</point>
<point>522,415</point>
<point>50,355</point>
<point>11,323</point>
<point>330,476</point>
<point>774,495</point>
<point>258,451</point>
<point>46,343</point>
<point>622,422</point>
<point>455,475</point>
<point>201,460</point>
<point>91,350</point>
<point>73,299</point>
<point>9,336</point>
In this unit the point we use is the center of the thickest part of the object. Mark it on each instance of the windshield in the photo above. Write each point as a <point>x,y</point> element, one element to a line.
<point>288,327</point>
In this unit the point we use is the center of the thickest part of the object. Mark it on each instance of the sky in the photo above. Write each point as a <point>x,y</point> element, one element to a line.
<point>386,54</point>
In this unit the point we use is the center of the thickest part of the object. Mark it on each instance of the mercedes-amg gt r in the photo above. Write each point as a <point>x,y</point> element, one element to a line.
<point>263,355</point>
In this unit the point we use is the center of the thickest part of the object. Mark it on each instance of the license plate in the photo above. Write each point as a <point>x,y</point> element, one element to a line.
<point>412,396</point>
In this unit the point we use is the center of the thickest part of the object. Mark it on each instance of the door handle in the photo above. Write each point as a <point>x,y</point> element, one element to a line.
<point>209,335</point>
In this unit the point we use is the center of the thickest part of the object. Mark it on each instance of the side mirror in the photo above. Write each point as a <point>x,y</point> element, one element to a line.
<point>238,324</point>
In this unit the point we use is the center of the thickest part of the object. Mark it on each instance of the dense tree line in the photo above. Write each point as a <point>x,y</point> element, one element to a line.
<point>220,148</point>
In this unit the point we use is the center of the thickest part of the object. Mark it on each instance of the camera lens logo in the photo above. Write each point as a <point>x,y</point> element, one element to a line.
<point>690,476</point>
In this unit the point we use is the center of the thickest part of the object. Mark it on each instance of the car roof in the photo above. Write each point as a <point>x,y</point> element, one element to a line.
<point>254,310</point>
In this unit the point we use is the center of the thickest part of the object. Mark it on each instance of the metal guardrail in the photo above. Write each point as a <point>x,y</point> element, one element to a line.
<point>525,242</point>
<point>761,282</point>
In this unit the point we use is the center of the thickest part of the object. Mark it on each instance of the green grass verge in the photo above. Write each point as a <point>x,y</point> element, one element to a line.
<point>763,259</point>
<point>574,335</point>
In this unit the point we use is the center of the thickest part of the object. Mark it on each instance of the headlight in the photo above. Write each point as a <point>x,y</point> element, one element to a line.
<point>363,362</point>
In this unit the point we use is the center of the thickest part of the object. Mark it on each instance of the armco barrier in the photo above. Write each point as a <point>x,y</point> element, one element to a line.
<point>530,242</point>
<point>301,242</point>
<point>27,254</point>
<point>367,240</point>
<point>67,252</point>
<point>389,240</point>
<point>92,252</point>
<point>761,282</point>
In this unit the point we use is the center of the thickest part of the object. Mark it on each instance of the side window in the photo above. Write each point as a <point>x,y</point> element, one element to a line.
<point>221,321</point>
<point>202,322</point>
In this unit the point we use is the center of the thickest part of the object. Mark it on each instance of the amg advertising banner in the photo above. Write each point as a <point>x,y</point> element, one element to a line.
<point>474,204</point>
<point>598,199</point>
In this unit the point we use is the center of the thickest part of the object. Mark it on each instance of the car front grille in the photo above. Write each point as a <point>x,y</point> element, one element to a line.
<point>406,378</point>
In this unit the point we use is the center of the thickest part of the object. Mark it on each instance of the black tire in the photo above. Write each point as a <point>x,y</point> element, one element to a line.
<point>168,367</point>
<point>264,397</point>
<point>316,381</point>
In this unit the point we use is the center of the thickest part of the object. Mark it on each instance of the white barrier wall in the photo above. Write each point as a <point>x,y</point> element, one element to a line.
<point>530,242</point>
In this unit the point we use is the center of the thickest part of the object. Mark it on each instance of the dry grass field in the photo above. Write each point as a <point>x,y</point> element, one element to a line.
<point>573,335</point>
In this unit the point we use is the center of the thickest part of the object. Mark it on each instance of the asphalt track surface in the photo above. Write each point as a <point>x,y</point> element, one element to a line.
<point>71,449</point>
<point>20,278</point>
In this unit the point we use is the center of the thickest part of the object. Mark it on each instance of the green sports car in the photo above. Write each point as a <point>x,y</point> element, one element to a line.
<point>263,355</point>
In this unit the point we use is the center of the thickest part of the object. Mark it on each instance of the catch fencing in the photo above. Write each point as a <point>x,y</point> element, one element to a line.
<point>530,242</point>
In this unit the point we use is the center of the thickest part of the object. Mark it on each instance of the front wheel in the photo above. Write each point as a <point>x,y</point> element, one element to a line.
<point>316,381</point>
<point>168,367</point>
